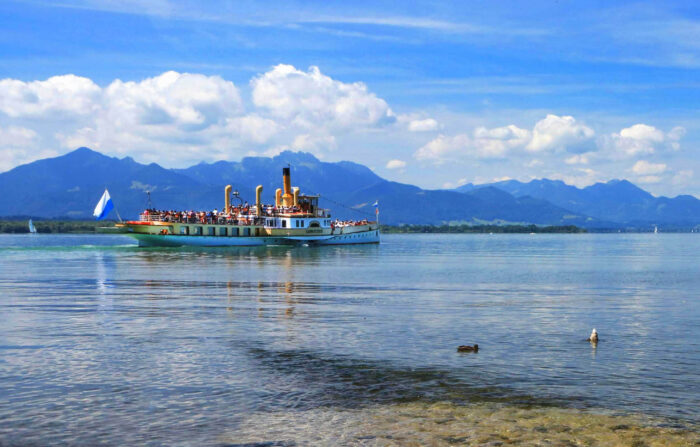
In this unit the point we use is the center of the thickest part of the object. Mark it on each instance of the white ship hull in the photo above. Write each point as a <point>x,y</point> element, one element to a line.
<point>172,240</point>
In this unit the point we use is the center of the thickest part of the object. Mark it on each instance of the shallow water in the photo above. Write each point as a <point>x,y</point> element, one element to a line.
<point>101,341</point>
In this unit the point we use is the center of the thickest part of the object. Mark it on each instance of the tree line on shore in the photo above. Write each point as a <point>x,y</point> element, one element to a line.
<point>54,226</point>
<point>90,226</point>
<point>481,229</point>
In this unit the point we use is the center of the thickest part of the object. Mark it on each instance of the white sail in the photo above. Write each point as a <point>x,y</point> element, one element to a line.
<point>32,228</point>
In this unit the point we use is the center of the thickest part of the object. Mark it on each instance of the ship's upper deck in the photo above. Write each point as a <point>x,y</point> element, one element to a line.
<point>291,210</point>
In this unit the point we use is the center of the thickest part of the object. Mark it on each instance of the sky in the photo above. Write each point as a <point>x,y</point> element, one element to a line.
<point>435,94</point>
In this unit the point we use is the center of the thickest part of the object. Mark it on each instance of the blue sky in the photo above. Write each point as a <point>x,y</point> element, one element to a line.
<point>434,94</point>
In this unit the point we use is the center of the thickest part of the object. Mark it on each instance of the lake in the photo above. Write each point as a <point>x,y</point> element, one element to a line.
<point>105,342</point>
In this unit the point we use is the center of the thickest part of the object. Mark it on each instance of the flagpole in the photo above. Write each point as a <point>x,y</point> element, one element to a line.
<point>376,212</point>
<point>115,209</point>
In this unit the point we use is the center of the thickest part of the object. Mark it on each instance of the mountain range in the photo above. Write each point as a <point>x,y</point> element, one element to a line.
<point>618,201</point>
<point>70,185</point>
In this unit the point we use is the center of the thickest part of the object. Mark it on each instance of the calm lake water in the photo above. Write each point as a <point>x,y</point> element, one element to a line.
<point>105,342</point>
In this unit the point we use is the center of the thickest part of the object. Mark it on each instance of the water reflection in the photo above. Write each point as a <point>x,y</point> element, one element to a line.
<point>186,346</point>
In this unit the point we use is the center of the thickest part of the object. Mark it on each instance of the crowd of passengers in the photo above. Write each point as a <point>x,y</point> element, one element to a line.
<point>349,223</point>
<point>239,215</point>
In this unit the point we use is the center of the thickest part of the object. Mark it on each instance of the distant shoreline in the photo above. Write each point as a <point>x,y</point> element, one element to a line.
<point>14,226</point>
<point>459,229</point>
<point>19,226</point>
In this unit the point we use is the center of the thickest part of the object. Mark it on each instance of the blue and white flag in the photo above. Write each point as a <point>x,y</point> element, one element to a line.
<point>376,203</point>
<point>104,206</point>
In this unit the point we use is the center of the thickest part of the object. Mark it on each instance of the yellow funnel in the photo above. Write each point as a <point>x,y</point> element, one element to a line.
<point>258,203</point>
<point>278,197</point>
<point>287,199</point>
<point>227,199</point>
<point>296,195</point>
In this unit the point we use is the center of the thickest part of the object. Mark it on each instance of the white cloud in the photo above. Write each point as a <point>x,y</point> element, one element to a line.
<point>643,167</point>
<point>483,143</point>
<point>425,125</point>
<point>85,136</point>
<point>252,128</point>
<point>181,117</point>
<point>18,145</point>
<point>648,179</point>
<point>172,116</point>
<point>674,136</point>
<point>555,133</point>
<point>443,147</point>
<point>14,136</point>
<point>65,96</point>
<point>644,139</point>
<point>311,99</point>
<point>457,184</point>
<point>314,143</point>
<point>178,118</point>
<point>581,177</point>
<point>642,132</point>
<point>167,116</point>
<point>577,159</point>
<point>504,178</point>
<point>683,177</point>
<point>396,164</point>
<point>190,101</point>
<point>495,143</point>
<point>552,133</point>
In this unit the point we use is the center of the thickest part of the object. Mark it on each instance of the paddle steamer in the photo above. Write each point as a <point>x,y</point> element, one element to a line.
<point>294,219</point>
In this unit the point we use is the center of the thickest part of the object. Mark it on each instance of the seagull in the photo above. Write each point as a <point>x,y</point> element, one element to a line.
<point>594,336</point>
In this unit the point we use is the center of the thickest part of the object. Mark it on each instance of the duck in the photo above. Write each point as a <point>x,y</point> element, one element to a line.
<point>594,336</point>
<point>467,348</point>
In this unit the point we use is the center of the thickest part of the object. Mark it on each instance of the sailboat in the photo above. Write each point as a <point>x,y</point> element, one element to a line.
<point>32,228</point>
<point>656,229</point>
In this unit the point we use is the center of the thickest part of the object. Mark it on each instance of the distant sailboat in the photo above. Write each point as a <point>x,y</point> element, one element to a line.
<point>32,228</point>
<point>656,229</point>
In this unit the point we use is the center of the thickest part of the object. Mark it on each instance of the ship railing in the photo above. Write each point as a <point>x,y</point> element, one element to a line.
<point>244,218</point>
<point>202,220</point>
<point>150,217</point>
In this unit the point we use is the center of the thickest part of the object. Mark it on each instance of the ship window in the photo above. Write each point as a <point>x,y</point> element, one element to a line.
<point>314,224</point>
<point>234,232</point>
<point>198,231</point>
<point>211,231</point>
<point>183,230</point>
<point>246,232</point>
<point>284,224</point>
<point>222,231</point>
